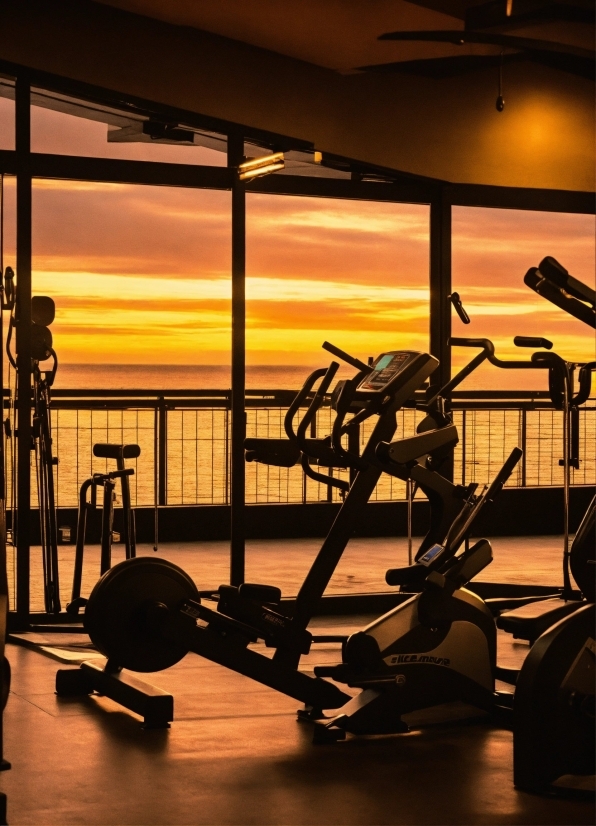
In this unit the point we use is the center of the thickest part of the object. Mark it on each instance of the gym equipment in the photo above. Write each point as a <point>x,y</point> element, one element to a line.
<point>107,481</point>
<point>145,614</point>
<point>42,316</point>
<point>250,612</point>
<point>552,281</point>
<point>528,622</point>
<point>553,710</point>
<point>553,721</point>
<point>437,647</point>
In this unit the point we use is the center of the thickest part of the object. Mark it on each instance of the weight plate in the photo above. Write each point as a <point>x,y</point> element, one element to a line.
<point>116,613</point>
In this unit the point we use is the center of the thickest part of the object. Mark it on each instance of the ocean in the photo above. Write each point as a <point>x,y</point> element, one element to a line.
<point>182,376</point>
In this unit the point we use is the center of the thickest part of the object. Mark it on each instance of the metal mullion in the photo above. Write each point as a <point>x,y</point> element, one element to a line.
<point>238,414</point>
<point>23,342</point>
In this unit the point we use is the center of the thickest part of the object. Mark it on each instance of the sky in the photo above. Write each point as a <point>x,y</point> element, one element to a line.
<point>142,274</point>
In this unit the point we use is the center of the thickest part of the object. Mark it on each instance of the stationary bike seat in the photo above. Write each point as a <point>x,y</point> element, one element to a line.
<point>109,451</point>
<point>529,621</point>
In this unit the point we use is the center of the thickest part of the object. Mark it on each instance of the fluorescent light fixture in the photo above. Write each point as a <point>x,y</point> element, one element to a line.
<point>255,167</point>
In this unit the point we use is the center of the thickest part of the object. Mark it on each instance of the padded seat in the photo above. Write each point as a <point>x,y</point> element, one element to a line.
<point>278,452</point>
<point>110,451</point>
<point>529,621</point>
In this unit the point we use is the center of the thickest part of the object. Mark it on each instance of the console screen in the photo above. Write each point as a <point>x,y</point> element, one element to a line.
<point>384,370</point>
<point>431,554</point>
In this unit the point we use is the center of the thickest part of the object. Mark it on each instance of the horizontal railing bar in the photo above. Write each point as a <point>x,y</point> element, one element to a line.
<point>223,404</point>
<point>458,394</point>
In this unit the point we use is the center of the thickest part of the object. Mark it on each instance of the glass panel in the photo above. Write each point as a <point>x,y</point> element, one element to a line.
<point>492,251</point>
<point>66,126</point>
<point>141,281</point>
<point>351,272</point>
<point>6,114</point>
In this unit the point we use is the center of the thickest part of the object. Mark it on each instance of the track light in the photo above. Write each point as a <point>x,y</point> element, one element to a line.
<point>255,167</point>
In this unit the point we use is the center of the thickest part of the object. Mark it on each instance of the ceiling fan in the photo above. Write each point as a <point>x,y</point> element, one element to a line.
<point>485,24</point>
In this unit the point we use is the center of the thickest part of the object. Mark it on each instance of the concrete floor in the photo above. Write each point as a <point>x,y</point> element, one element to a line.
<point>235,753</point>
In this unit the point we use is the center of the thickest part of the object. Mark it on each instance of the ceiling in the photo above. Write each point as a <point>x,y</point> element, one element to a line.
<point>342,35</point>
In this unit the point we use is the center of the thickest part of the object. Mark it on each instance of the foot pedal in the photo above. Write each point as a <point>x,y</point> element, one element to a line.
<point>260,593</point>
<point>323,734</point>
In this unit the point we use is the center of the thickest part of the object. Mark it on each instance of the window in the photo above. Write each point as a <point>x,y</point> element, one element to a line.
<point>492,251</point>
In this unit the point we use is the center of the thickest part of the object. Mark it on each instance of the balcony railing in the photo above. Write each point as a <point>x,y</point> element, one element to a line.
<point>185,452</point>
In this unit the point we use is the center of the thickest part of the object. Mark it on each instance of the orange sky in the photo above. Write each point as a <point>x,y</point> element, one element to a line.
<point>141,274</point>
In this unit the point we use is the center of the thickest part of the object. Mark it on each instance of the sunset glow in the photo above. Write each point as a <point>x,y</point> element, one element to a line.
<point>142,274</point>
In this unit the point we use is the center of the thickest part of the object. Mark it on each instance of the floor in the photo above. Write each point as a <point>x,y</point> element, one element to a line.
<point>533,559</point>
<point>235,753</point>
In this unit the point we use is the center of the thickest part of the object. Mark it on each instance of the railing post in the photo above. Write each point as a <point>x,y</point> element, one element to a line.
<point>162,452</point>
<point>463,447</point>
<point>524,443</point>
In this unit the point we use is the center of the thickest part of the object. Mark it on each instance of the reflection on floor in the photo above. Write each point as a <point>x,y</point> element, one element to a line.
<point>235,753</point>
<point>284,563</point>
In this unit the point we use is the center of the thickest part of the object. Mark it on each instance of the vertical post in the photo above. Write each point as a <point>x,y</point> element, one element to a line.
<point>162,452</point>
<point>464,436</point>
<point>23,343</point>
<point>440,286</point>
<point>237,404</point>
<point>440,290</point>
<point>524,444</point>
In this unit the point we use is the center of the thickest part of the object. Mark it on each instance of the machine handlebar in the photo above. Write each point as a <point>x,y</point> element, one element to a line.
<point>341,354</point>
<point>299,400</point>
<point>317,401</point>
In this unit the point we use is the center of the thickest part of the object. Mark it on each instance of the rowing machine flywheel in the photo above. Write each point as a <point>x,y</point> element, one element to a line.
<point>130,611</point>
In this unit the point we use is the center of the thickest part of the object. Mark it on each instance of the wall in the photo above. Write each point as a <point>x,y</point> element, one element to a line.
<point>447,129</point>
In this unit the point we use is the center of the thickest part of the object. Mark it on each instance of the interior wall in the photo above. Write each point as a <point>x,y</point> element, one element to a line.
<point>448,129</point>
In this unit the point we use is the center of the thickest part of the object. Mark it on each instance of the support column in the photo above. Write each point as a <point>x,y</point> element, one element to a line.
<point>440,287</point>
<point>23,346</point>
<point>238,414</point>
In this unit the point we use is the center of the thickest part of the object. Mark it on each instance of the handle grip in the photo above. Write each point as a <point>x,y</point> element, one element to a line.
<point>315,404</point>
<point>459,308</point>
<point>341,354</point>
<point>585,383</point>
<point>533,341</point>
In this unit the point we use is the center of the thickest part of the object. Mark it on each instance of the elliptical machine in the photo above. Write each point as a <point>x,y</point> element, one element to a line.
<point>553,721</point>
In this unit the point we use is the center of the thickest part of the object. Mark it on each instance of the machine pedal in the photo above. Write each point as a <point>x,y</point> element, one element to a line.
<point>323,734</point>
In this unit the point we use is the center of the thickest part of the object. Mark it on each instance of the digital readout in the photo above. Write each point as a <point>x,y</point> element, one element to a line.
<point>384,370</point>
<point>431,554</point>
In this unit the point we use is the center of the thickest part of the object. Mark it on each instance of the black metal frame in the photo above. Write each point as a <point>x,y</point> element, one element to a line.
<point>393,186</point>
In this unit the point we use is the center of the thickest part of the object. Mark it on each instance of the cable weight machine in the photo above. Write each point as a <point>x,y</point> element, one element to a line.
<point>43,312</point>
